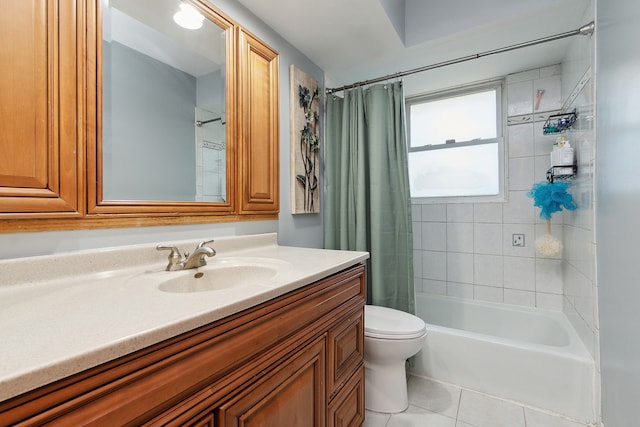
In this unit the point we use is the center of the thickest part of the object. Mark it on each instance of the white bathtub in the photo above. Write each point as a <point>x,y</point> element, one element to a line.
<point>526,355</point>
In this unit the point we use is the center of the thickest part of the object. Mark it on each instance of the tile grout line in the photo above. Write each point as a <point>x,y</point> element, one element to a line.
<point>458,408</point>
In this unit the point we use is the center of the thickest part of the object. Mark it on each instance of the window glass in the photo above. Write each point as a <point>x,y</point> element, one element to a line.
<point>455,143</point>
<point>461,118</point>
<point>458,171</point>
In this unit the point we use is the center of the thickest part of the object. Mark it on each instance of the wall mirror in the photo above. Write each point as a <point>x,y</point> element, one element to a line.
<point>165,110</point>
<point>137,113</point>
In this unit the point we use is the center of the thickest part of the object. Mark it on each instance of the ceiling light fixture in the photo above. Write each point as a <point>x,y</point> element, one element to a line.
<point>188,17</point>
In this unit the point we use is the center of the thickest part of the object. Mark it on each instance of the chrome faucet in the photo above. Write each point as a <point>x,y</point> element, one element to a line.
<point>194,260</point>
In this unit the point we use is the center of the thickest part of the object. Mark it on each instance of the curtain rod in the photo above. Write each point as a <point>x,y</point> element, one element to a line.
<point>585,30</point>
<point>199,123</point>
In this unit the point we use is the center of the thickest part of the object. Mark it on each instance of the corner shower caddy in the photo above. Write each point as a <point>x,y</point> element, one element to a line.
<point>555,124</point>
<point>558,123</point>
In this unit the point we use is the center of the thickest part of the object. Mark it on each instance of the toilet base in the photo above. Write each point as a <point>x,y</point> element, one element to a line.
<point>386,388</point>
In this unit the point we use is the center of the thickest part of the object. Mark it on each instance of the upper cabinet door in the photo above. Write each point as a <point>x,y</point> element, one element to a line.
<point>39,109</point>
<point>258,126</point>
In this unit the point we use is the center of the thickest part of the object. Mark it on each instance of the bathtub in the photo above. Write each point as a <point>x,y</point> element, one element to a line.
<point>526,355</point>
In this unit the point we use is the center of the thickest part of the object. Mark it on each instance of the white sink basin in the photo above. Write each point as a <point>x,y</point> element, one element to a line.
<point>213,279</point>
<point>222,273</point>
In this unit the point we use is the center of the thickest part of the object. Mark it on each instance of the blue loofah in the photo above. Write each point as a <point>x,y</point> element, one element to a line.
<point>551,197</point>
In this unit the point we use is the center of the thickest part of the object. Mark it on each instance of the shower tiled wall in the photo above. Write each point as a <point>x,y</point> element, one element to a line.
<point>465,249</point>
<point>579,269</point>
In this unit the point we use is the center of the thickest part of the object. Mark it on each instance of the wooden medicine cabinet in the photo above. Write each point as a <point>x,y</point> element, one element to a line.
<point>123,118</point>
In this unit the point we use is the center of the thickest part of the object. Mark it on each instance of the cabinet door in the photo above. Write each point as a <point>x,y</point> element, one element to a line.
<point>345,351</point>
<point>258,117</point>
<point>38,108</point>
<point>293,394</point>
<point>347,408</point>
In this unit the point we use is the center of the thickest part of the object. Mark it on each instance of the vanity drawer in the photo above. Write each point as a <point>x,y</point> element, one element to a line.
<point>347,408</point>
<point>345,349</point>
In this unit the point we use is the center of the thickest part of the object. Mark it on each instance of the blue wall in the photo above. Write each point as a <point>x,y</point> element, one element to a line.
<point>149,115</point>
<point>618,207</point>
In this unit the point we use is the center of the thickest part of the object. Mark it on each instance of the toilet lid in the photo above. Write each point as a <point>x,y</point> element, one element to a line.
<point>383,322</point>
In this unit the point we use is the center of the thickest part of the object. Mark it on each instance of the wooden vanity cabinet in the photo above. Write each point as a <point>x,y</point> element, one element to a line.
<point>296,360</point>
<point>39,110</point>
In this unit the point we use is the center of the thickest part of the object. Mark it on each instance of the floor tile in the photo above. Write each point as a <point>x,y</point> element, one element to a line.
<point>436,404</point>
<point>434,396</point>
<point>540,419</point>
<point>483,411</point>
<point>375,419</point>
<point>419,417</point>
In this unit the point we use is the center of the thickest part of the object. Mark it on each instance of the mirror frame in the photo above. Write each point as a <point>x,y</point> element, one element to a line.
<point>79,128</point>
<point>96,204</point>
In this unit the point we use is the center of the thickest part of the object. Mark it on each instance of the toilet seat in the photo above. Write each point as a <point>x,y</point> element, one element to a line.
<point>390,324</point>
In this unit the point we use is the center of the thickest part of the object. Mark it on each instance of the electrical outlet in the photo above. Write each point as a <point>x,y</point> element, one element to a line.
<point>517,240</point>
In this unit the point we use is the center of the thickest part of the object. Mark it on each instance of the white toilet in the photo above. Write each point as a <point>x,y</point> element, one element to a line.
<point>390,338</point>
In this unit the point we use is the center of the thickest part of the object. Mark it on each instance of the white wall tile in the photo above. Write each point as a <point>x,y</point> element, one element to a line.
<point>459,237</point>
<point>488,293</point>
<point>435,212</point>
<point>487,239</point>
<point>549,301</point>
<point>543,144</point>
<point>434,236</point>
<point>552,97</point>
<point>417,263</point>
<point>416,212</point>
<point>520,98</point>
<point>542,165</point>
<point>517,297</point>
<point>416,232</point>
<point>460,290</point>
<point>579,249</point>
<point>521,173</point>
<point>436,287</point>
<point>519,209</point>
<point>488,270</point>
<point>551,70</point>
<point>417,284</point>
<point>460,212</point>
<point>487,212</point>
<point>519,273</point>
<point>459,267</point>
<point>528,250</point>
<point>549,276</point>
<point>523,76</point>
<point>520,140</point>
<point>434,265</point>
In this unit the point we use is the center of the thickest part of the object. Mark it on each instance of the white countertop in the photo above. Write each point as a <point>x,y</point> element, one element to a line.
<point>62,314</point>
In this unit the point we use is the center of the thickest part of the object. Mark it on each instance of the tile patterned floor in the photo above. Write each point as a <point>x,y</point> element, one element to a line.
<point>435,404</point>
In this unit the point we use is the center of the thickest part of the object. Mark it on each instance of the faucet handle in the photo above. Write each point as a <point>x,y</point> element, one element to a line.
<point>206,242</point>
<point>174,256</point>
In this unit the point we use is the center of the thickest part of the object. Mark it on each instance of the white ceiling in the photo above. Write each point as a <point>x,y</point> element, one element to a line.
<point>148,27</point>
<point>356,40</point>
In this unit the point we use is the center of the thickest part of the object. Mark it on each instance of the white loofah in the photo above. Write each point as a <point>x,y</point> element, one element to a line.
<point>547,245</point>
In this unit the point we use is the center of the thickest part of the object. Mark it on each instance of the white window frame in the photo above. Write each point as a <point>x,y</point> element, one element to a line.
<point>499,86</point>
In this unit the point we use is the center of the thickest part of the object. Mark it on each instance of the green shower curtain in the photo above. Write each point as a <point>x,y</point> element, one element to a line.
<point>367,203</point>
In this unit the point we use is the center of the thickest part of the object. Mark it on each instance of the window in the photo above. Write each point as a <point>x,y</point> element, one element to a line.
<point>455,143</point>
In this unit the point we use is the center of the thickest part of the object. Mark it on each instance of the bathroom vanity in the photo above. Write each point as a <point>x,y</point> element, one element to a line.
<point>282,350</point>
